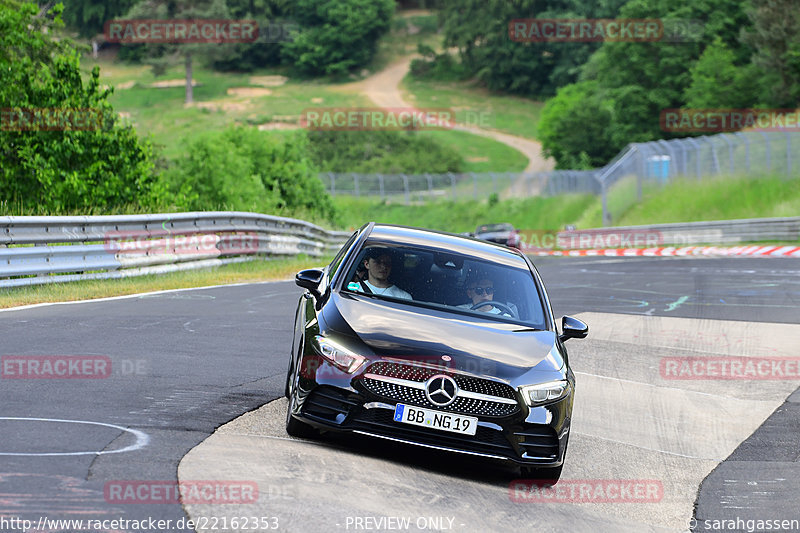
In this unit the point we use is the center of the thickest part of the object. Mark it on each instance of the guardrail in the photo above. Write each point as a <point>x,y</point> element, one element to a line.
<point>37,250</point>
<point>784,230</point>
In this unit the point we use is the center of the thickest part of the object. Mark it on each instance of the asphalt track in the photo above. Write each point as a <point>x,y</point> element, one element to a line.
<point>186,362</point>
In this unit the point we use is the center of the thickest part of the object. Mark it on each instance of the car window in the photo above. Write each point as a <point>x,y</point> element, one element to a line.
<point>441,279</point>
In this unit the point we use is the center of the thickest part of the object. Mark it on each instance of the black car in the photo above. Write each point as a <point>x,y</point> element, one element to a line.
<point>499,233</point>
<point>436,340</point>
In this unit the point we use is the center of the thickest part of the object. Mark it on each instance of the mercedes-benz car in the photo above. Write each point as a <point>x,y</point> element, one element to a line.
<point>435,340</point>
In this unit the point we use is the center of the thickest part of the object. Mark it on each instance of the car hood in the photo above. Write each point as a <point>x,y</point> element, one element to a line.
<point>484,347</point>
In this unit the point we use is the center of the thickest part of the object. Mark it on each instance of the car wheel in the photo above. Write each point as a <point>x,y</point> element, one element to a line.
<point>288,379</point>
<point>295,427</point>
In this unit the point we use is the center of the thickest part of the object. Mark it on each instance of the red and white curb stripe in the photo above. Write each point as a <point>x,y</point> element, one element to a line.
<point>752,251</point>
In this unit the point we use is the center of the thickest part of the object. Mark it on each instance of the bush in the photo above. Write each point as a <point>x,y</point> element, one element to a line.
<point>575,127</point>
<point>249,170</point>
<point>433,66</point>
<point>385,152</point>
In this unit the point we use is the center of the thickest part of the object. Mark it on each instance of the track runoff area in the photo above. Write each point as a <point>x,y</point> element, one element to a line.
<point>665,394</point>
<point>684,416</point>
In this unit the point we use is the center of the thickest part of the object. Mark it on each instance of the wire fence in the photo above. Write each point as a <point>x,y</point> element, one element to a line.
<point>636,170</point>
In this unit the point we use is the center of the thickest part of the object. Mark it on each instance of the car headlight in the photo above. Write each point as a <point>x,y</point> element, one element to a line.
<point>543,393</point>
<point>339,356</point>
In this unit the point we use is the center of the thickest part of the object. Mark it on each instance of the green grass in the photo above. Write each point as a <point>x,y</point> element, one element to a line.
<point>682,201</point>
<point>481,154</point>
<point>718,199</point>
<point>465,215</point>
<point>476,106</point>
<point>161,114</point>
<point>687,200</point>
<point>272,270</point>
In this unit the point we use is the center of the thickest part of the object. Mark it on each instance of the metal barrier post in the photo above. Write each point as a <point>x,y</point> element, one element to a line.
<point>730,152</point>
<point>606,214</point>
<point>768,150</point>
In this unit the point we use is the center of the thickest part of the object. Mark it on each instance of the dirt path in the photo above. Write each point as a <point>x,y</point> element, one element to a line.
<point>383,88</point>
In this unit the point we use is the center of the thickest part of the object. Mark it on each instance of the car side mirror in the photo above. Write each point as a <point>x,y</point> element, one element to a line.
<point>310,279</point>
<point>572,328</point>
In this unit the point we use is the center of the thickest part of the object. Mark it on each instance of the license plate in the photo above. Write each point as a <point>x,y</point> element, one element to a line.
<point>418,416</point>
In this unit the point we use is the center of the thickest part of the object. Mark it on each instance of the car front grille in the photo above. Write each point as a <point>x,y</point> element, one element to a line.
<point>400,382</point>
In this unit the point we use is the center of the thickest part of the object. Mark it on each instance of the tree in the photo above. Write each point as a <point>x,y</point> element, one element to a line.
<point>89,16</point>
<point>275,25</point>
<point>638,80</point>
<point>775,35</point>
<point>337,36</point>
<point>718,82</point>
<point>479,30</point>
<point>162,55</point>
<point>99,165</point>
<point>575,127</point>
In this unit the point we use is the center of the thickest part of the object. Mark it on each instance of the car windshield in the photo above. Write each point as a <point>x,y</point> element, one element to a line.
<point>448,281</point>
<point>489,228</point>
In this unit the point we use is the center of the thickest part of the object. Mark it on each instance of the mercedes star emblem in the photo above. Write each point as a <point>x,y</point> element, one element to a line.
<point>441,390</point>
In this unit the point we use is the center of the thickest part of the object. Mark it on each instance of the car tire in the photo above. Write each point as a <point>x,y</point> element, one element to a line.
<point>288,379</point>
<point>295,427</point>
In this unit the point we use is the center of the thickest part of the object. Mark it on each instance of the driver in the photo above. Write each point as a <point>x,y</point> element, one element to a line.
<point>481,289</point>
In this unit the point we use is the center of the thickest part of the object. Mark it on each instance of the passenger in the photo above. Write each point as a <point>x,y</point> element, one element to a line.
<point>378,265</point>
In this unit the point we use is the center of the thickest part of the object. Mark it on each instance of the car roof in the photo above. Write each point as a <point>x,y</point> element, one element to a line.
<point>405,235</point>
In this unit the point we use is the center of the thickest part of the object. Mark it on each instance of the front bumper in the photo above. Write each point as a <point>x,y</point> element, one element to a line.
<point>529,436</point>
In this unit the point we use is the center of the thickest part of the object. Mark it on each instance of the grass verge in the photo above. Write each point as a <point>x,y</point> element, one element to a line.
<point>687,200</point>
<point>476,106</point>
<point>481,154</point>
<point>465,215</point>
<point>272,270</point>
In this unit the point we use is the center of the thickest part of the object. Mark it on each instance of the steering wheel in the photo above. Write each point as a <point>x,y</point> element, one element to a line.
<point>501,306</point>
